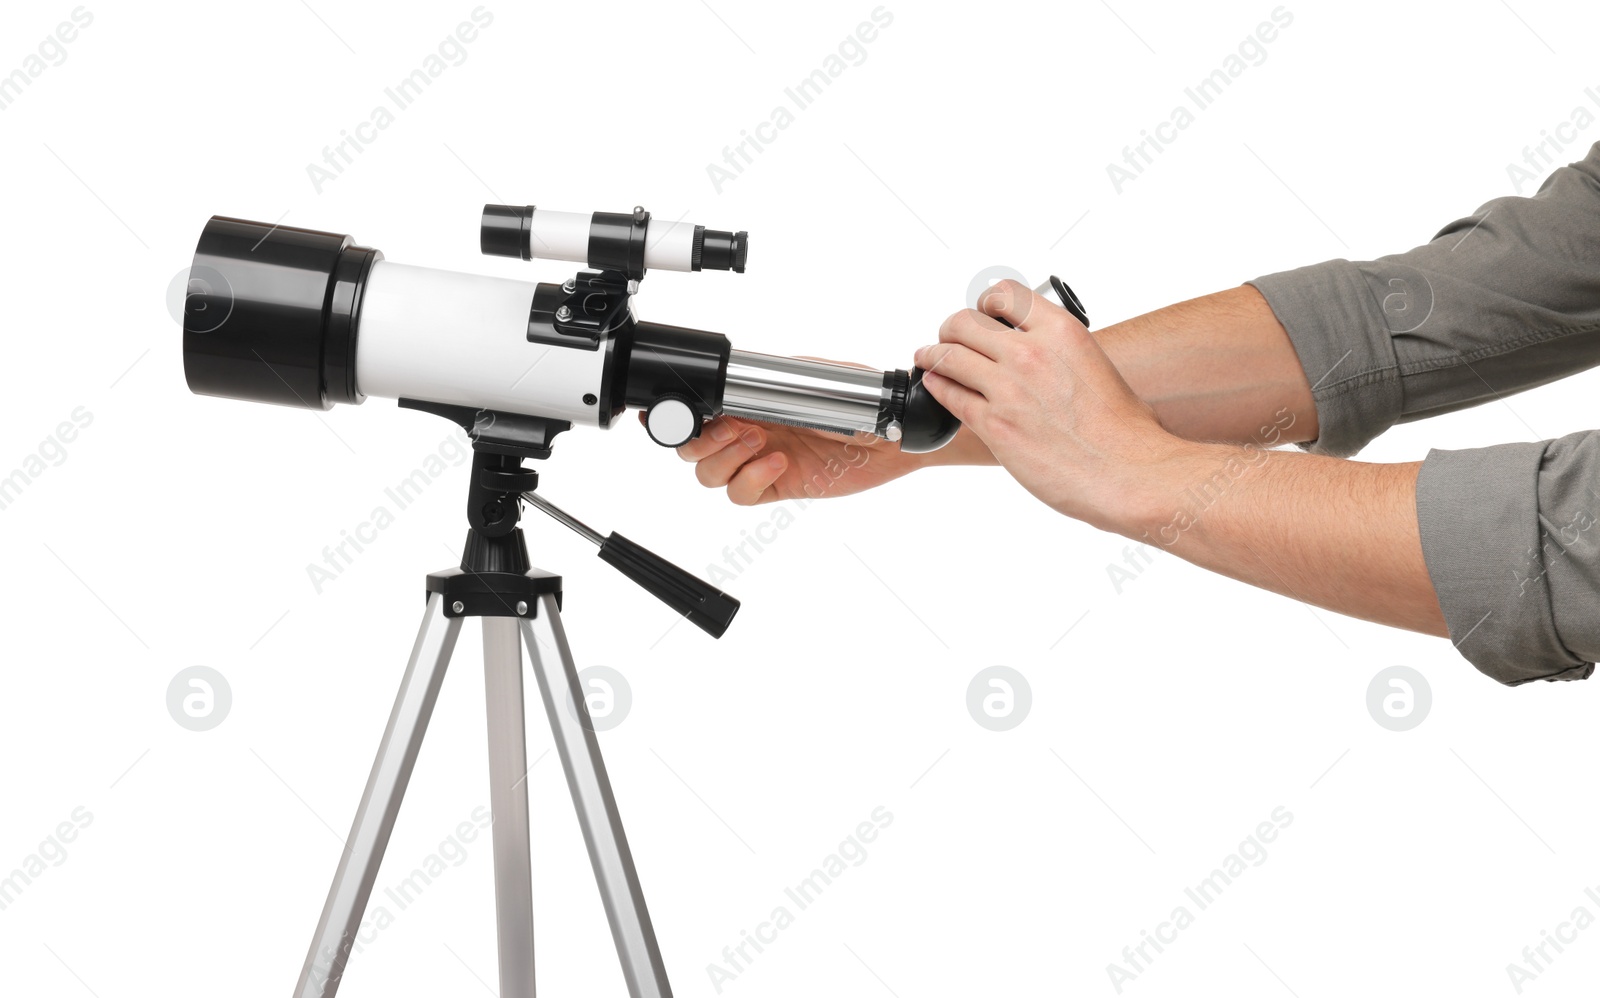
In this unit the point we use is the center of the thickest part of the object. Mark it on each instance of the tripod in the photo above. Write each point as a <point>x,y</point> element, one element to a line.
<point>519,606</point>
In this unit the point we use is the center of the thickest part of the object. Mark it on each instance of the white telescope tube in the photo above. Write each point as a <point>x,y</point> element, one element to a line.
<point>462,339</point>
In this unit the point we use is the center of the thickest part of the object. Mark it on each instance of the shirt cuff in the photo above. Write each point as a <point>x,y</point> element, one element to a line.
<point>1335,320</point>
<point>1478,512</point>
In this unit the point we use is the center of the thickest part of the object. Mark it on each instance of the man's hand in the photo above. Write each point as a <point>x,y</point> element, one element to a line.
<point>1049,404</point>
<point>762,462</point>
<point>1057,414</point>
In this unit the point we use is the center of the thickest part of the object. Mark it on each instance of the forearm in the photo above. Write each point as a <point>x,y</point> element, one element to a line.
<point>1217,368</point>
<point>1498,302</point>
<point>1337,534</point>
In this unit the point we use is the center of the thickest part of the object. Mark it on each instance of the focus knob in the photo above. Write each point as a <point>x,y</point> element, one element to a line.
<point>671,422</point>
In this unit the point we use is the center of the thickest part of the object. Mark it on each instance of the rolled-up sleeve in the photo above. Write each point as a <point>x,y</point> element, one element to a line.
<point>1498,302</point>
<point>1510,536</point>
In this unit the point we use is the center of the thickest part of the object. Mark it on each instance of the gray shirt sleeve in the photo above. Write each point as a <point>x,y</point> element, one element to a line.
<point>1496,303</point>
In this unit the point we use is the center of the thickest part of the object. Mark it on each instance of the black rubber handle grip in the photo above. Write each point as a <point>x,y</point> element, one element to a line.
<point>706,606</point>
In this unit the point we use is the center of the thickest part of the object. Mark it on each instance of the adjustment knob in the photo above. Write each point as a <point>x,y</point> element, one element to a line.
<point>671,422</point>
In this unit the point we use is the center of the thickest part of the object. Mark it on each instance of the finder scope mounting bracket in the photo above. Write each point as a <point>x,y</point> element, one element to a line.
<point>583,311</point>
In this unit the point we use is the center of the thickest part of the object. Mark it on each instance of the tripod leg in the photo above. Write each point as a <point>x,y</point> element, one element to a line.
<point>597,808</point>
<point>369,835</point>
<point>508,797</point>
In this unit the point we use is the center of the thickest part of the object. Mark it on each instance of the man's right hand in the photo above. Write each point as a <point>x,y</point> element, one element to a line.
<point>764,462</point>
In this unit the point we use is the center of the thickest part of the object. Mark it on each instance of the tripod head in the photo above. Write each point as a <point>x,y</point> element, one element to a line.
<point>495,578</point>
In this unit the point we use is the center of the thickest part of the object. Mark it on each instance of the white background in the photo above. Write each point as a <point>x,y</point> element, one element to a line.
<point>1174,717</point>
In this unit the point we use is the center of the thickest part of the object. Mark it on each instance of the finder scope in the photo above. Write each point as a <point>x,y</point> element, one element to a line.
<point>605,240</point>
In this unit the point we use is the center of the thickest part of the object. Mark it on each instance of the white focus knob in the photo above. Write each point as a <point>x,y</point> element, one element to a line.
<point>671,422</point>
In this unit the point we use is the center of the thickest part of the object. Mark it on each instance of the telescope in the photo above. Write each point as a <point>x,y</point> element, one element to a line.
<point>310,319</point>
<point>305,318</point>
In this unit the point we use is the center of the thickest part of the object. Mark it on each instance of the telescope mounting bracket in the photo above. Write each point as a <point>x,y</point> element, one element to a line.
<point>491,431</point>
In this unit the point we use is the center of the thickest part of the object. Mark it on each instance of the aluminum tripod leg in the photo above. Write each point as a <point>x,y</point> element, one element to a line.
<point>508,798</point>
<point>369,834</point>
<point>597,809</point>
